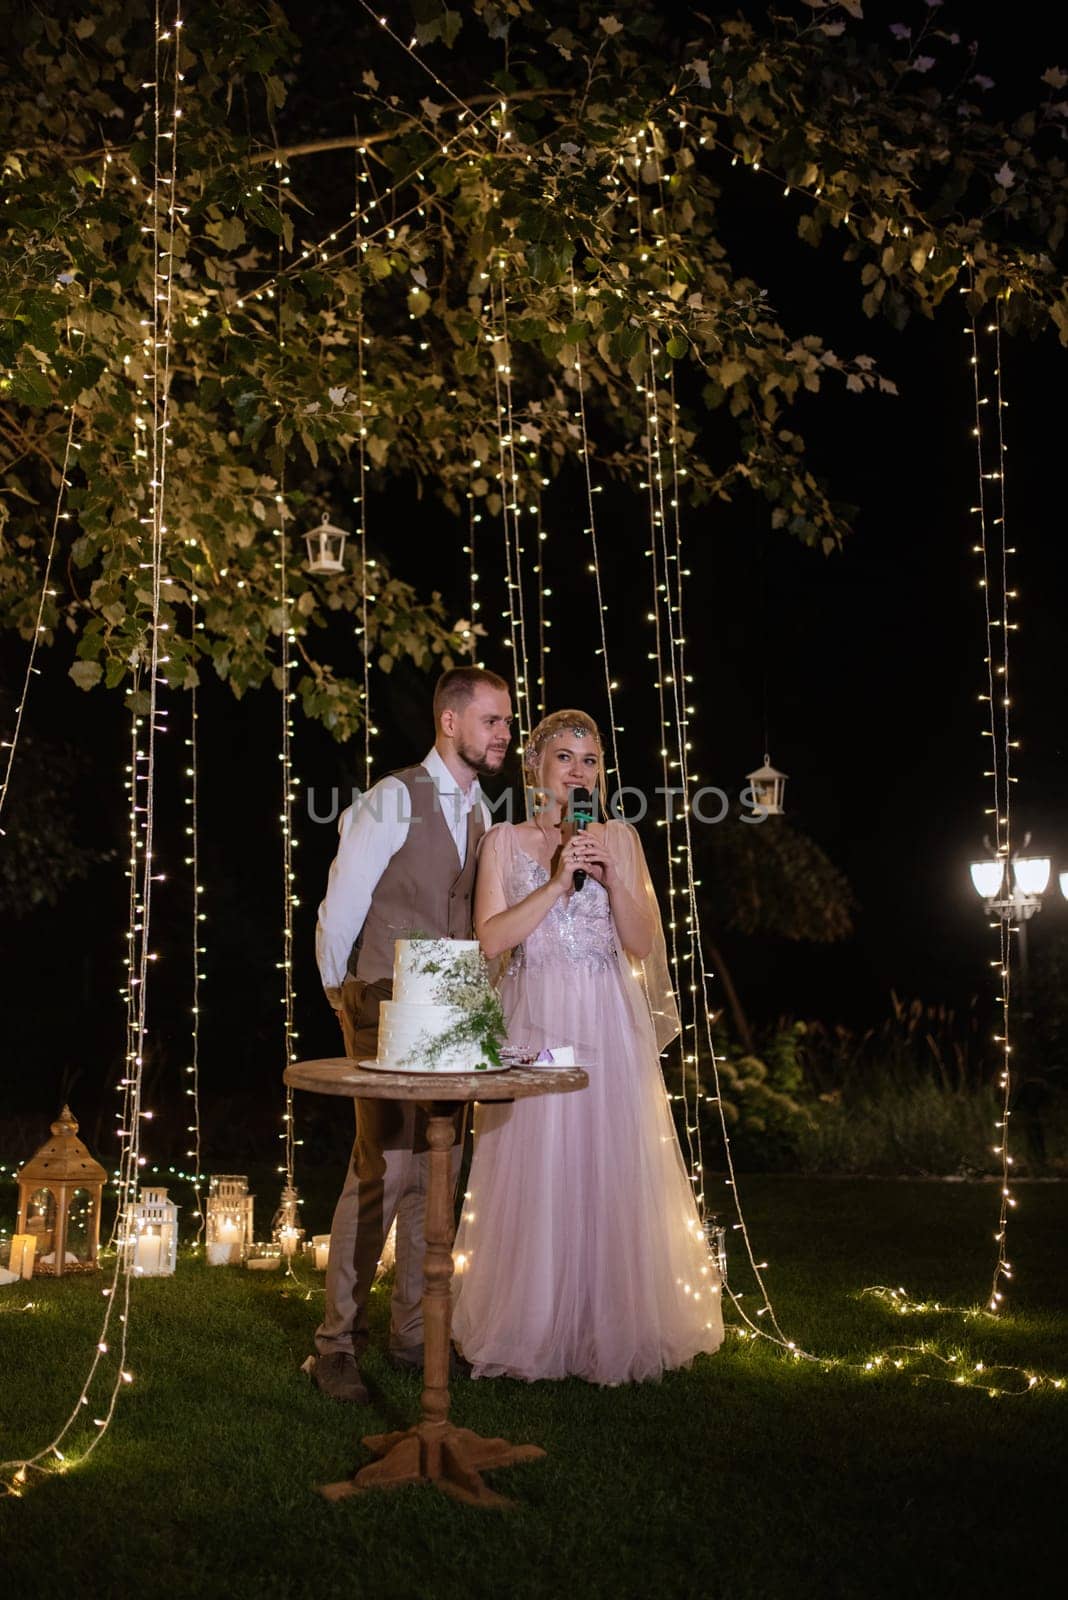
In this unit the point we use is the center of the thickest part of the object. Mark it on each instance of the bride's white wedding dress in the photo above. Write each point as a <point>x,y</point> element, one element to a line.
<point>580,1250</point>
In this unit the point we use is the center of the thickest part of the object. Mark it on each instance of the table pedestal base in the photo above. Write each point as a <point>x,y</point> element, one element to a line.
<point>438,1453</point>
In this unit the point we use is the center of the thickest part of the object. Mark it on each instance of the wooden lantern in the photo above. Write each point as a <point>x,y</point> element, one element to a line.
<point>151,1235</point>
<point>60,1190</point>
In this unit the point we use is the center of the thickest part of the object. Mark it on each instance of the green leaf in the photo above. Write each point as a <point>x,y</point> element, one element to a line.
<point>229,234</point>
<point>86,674</point>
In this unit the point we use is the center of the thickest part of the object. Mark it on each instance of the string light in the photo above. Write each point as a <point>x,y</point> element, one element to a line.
<point>993,550</point>
<point>193,862</point>
<point>10,745</point>
<point>668,595</point>
<point>138,946</point>
<point>544,622</point>
<point>289,781</point>
<point>474,604</point>
<point>591,531</point>
<point>507,479</point>
<point>481,123</point>
<point>361,466</point>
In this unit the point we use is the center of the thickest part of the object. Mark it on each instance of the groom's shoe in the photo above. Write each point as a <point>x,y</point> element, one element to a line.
<point>337,1376</point>
<point>409,1358</point>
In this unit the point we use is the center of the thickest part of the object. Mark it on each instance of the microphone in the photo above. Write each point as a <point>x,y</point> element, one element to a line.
<point>580,815</point>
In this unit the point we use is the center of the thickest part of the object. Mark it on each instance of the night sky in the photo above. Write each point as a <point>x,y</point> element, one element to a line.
<point>873,660</point>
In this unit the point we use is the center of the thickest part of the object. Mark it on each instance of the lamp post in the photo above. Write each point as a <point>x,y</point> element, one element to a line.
<point>1012,890</point>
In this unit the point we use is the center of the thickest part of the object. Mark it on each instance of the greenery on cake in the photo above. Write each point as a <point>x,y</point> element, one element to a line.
<point>462,982</point>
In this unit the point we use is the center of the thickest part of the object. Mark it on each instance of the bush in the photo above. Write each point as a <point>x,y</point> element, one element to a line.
<point>911,1097</point>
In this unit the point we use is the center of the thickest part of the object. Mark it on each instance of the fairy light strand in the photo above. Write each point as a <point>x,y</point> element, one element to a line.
<point>994,567</point>
<point>38,625</point>
<point>675,670</point>
<point>544,622</point>
<point>666,532</point>
<point>193,862</point>
<point>654,495</point>
<point>51,1455</point>
<point>361,468</point>
<point>1002,1266</point>
<point>591,532</point>
<point>510,513</point>
<point>516,514</point>
<point>286,819</point>
<point>474,604</point>
<point>500,356</point>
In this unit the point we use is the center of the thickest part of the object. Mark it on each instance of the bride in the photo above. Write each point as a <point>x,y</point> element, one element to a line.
<point>580,1250</point>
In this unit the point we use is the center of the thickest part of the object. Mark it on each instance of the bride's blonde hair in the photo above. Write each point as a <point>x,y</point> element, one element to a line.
<point>553,727</point>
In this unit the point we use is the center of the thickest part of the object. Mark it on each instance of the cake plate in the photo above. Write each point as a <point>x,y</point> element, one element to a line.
<point>430,1072</point>
<point>434,1450</point>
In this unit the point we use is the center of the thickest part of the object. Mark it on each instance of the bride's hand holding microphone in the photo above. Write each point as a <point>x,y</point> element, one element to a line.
<point>576,855</point>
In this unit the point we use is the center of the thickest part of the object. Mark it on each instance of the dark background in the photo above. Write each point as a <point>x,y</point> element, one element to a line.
<point>873,661</point>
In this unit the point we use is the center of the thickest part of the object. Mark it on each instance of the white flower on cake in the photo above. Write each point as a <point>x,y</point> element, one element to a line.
<point>444,1015</point>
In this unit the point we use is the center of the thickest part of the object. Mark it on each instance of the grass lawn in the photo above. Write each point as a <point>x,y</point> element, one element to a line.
<point>749,1476</point>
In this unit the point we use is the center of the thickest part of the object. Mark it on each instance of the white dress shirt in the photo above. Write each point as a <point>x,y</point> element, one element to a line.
<point>371,832</point>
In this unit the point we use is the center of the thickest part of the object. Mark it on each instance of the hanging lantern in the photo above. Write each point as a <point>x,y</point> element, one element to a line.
<point>228,1221</point>
<point>326,547</point>
<point>767,784</point>
<point>286,1231</point>
<point>151,1235</point>
<point>59,1203</point>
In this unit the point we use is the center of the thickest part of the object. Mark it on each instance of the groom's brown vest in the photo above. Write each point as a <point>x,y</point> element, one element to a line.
<point>423,889</point>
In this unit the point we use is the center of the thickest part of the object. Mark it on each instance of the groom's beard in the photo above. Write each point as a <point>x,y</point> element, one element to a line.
<point>486,763</point>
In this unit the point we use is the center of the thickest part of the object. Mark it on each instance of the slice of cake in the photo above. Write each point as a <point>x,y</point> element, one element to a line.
<point>444,1015</point>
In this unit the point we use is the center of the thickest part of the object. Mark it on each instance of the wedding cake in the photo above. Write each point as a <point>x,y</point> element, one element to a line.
<point>444,1015</point>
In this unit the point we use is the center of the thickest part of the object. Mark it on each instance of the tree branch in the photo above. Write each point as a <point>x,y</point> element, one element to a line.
<point>354,141</point>
<point>13,433</point>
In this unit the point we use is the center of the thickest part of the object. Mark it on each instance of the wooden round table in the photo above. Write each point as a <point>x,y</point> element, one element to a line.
<point>435,1450</point>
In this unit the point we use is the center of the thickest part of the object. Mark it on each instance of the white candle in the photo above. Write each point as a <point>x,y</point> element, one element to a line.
<point>221,1255</point>
<point>225,1249</point>
<point>287,1239</point>
<point>321,1245</point>
<point>148,1255</point>
<point>23,1250</point>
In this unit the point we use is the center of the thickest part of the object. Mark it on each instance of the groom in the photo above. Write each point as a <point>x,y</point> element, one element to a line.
<point>406,861</point>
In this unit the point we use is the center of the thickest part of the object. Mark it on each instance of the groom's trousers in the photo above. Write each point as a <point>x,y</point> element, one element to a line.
<point>387,1179</point>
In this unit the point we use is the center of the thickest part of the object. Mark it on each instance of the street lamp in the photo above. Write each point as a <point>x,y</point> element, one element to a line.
<point>988,878</point>
<point>1013,889</point>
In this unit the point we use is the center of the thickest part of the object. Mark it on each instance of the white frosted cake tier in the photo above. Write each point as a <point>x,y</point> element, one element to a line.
<point>406,1035</point>
<point>413,1024</point>
<point>412,984</point>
